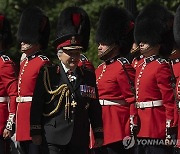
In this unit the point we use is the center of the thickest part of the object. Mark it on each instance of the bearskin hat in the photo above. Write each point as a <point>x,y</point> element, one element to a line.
<point>34,27</point>
<point>73,28</point>
<point>115,26</point>
<point>154,25</point>
<point>5,31</point>
<point>177,27</point>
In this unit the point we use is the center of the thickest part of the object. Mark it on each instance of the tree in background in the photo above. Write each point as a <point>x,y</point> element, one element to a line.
<point>14,8</point>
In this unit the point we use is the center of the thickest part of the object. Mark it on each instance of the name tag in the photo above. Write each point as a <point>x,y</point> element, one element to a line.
<point>88,91</point>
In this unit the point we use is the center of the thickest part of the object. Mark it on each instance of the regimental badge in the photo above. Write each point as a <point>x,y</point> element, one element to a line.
<point>73,40</point>
<point>88,91</point>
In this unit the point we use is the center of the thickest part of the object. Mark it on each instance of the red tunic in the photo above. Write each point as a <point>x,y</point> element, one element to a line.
<point>29,70</point>
<point>137,61</point>
<point>8,88</point>
<point>153,83</point>
<point>113,84</point>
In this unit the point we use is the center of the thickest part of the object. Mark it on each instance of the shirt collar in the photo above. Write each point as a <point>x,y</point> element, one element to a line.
<point>66,69</point>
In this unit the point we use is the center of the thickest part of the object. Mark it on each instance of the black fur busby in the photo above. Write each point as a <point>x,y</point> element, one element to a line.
<point>5,32</point>
<point>115,26</point>
<point>154,25</point>
<point>73,22</point>
<point>177,27</point>
<point>34,27</point>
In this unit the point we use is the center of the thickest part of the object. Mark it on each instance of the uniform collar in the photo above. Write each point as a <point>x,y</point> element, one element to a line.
<point>151,58</point>
<point>32,56</point>
<point>66,69</point>
<point>112,60</point>
<point>140,57</point>
<point>174,61</point>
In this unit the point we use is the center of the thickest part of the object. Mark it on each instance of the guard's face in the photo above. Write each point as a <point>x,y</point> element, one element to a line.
<point>25,46</point>
<point>148,50</point>
<point>70,58</point>
<point>144,47</point>
<point>29,48</point>
<point>102,48</point>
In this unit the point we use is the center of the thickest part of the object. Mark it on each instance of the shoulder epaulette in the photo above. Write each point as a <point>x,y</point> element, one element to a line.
<point>161,60</point>
<point>123,60</point>
<point>43,57</point>
<point>5,58</point>
<point>83,58</point>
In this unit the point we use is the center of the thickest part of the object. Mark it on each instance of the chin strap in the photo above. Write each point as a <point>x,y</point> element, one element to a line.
<point>135,49</point>
<point>110,48</point>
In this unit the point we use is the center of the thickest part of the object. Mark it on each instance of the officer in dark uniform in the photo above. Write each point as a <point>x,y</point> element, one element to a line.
<point>8,87</point>
<point>33,35</point>
<point>65,100</point>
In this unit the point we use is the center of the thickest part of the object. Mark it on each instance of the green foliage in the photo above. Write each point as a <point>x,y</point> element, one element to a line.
<point>14,8</point>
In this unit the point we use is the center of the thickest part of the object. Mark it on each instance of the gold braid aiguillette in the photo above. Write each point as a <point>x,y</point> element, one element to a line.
<point>62,90</point>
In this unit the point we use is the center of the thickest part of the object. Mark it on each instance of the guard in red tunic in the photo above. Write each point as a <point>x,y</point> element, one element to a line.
<point>113,77</point>
<point>176,69</point>
<point>8,87</point>
<point>33,37</point>
<point>154,93</point>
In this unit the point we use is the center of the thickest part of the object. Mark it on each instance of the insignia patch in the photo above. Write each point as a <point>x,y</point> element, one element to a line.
<point>88,91</point>
<point>73,40</point>
<point>123,60</point>
<point>43,57</point>
<point>161,60</point>
<point>5,58</point>
<point>83,58</point>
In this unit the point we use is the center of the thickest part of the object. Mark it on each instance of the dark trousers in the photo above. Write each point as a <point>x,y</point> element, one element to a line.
<point>4,146</point>
<point>153,149</point>
<point>114,148</point>
<point>64,149</point>
<point>29,148</point>
<point>176,151</point>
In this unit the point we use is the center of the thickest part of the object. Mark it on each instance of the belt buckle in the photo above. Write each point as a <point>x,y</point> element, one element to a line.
<point>137,105</point>
<point>19,99</point>
<point>152,103</point>
<point>141,105</point>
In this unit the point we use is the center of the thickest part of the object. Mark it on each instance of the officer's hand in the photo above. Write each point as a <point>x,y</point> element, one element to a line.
<point>98,142</point>
<point>7,133</point>
<point>37,139</point>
